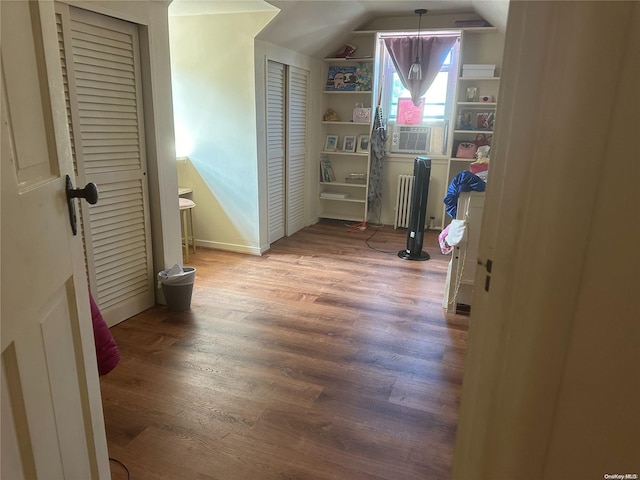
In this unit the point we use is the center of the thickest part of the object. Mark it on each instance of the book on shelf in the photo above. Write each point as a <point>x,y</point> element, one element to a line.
<point>357,178</point>
<point>337,195</point>
<point>326,172</point>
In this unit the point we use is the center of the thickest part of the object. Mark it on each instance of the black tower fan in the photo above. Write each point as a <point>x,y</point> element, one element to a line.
<point>418,211</point>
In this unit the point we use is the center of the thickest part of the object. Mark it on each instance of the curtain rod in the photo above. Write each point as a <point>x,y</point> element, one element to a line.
<point>422,34</point>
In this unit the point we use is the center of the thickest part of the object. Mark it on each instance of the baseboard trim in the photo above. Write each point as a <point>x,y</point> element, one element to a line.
<point>229,247</point>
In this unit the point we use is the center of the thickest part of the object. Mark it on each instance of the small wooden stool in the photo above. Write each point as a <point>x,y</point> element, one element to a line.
<point>188,230</point>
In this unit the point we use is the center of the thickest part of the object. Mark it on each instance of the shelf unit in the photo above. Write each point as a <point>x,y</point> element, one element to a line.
<point>481,45</point>
<point>478,46</point>
<point>344,123</point>
<point>354,92</point>
<point>354,206</point>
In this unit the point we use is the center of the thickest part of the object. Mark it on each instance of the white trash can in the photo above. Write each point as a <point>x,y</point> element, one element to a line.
<point>177,286</point>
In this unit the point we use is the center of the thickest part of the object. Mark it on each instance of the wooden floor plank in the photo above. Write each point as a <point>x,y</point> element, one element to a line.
<point>322,359</point>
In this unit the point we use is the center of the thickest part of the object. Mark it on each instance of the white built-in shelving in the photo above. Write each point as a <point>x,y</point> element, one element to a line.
<point>478,45</point>
<point>353,207</point>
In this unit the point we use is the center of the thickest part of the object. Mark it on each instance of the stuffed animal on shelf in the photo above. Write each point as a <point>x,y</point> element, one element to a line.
<point>330,116</point>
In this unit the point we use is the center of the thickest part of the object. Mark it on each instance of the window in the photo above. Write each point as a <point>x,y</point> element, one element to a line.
<point>438,100</point>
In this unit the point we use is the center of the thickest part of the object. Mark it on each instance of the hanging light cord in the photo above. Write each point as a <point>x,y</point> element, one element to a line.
<point>415,71</point>
<point>420,11</point>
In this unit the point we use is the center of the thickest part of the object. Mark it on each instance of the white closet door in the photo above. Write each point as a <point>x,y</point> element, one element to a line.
<point>275,149</point>
<point>101,60</point>
<point>296,141</point>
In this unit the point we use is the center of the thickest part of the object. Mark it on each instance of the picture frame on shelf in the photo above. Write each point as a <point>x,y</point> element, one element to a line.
<point>349,143</point>
<point>465,121</point>
<point>364,77</point>
<point>341,78</point>
<point>349,78</point>
<point>363,144</point>
<point>331,143</point>
<point>485,120</point>
<point>472,94</point>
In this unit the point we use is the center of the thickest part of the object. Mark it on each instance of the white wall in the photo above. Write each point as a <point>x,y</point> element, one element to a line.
<point>494,11</point>
<point>403,165</point>
<point>212,68</point>
<point>410,22</point>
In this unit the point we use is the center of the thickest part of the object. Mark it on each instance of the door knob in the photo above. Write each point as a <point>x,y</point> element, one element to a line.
<point>89,193</point>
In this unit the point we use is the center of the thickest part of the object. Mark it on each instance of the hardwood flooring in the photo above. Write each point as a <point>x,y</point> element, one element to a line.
<point>322,359</point>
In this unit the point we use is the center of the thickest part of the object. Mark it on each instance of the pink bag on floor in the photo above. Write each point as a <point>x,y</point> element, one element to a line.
<point>106,349</point>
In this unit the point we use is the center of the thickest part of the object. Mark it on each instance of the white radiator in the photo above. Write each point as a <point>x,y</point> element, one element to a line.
<point>403,201</point>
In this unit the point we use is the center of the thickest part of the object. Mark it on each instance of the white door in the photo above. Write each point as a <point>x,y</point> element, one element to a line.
<point>275,150</point>
<point>553,328</point>
<point>101,71</point>
<point>297,81</point>
<point>52,423</point>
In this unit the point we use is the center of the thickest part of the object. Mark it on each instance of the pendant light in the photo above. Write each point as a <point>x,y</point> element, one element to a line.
<point>415,70</point>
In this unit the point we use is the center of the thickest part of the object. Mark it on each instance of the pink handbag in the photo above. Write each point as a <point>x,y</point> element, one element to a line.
<point>466,150</point>
<point>361,114</point>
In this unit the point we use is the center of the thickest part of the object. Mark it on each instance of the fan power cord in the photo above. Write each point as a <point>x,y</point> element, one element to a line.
<point>122,465</point>
<point>358,227</point>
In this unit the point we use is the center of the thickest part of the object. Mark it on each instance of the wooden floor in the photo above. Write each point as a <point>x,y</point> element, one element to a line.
<point>322,359</point>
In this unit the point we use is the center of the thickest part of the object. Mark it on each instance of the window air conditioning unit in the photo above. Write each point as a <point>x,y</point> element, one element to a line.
<point>418,139</point>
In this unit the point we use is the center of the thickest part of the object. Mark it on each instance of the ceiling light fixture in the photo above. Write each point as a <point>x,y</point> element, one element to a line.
<point>415,71</point>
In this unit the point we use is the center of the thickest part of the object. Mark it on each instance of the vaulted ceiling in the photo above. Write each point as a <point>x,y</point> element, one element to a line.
<point>318,27</point>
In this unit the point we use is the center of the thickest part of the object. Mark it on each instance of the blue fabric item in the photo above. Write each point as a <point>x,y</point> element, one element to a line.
<point>463,182</point>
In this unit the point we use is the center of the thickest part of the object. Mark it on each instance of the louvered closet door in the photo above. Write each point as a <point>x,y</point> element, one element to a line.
<point>297,81</point>
<point>60,12</point>
<point>275,150</point>
<point>100,57</point>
